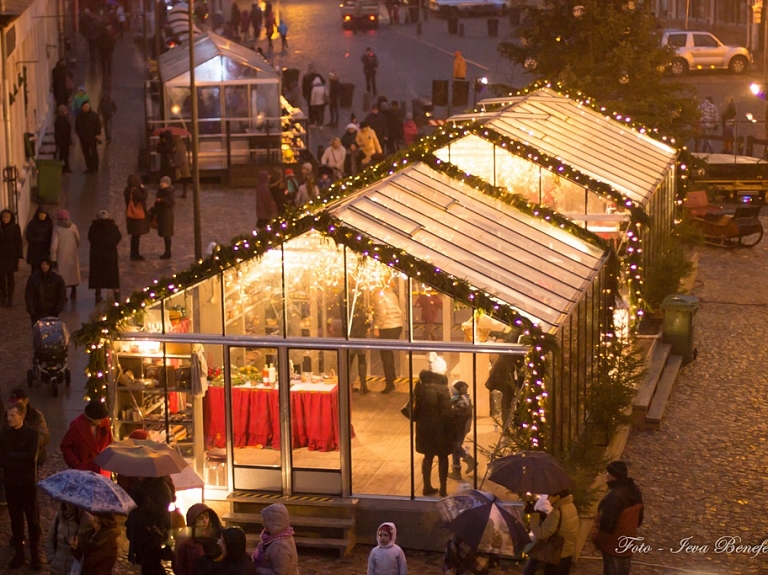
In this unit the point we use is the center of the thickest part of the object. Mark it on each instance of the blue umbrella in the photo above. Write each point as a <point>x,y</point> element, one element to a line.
<point>483,523</point>
<point>88,490</point>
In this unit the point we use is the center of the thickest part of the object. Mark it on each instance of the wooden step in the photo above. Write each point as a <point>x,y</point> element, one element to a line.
<point>663,391</point>
<point>296,520</point>
<point>647,389</point>
<point>257,498</point>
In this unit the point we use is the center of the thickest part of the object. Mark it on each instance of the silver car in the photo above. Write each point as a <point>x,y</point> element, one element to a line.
<point>696,50</point>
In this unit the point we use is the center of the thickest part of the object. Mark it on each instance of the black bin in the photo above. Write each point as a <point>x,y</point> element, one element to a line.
<point>453,25</point>
<point>460,95</point>
<point>493,27</point>
<point>290,77</point>
<point>440,92</point>
<point>420,108</point>
<point>346,95</point>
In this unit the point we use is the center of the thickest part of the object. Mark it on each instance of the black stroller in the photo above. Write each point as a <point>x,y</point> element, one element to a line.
<point>50,338</point>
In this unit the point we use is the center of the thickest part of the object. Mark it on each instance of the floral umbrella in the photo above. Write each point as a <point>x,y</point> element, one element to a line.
<point>88,490</point>
<point>483,523</point>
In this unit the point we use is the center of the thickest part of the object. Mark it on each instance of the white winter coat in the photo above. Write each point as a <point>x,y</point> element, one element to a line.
<point>317,96</point>
<point>64,244</point>
<point>389,560</point>
<point>57,549</point>
<point>386,311</point>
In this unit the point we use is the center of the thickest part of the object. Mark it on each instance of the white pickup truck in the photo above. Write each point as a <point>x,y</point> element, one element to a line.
<point>455,8</point>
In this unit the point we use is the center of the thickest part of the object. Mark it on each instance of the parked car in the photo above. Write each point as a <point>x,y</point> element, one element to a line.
<point>696,50</point>
<point>456,8</point>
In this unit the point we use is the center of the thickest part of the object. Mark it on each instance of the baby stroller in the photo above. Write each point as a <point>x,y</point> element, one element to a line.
<point>50,338</point>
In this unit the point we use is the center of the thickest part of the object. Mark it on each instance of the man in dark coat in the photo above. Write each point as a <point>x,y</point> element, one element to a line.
<point>620,513</point>
<point>45,294</point>
<point>105,44</point>
<point>434,427</point>
<point>164,202</point>
<point>61,79</point>
<point>38,235</point>
<point>35,419</point>
<point>136,192</point>
<point>18,456</point>
<point>370,67</point>
<point>62,135</point>
<point>379,123</point>
<point>11,251</point>
<point>104,235</point>
<point>88,128</point>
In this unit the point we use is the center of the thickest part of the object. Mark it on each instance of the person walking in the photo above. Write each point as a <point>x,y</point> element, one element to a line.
<point>620,513</point>
<point>387,558</point>
<point>70,521</point>
<point>317,101</point>
<point>276,551</point>
<point>18,457</point>
<point>97,550</point>
<point>282,29</point>
<point>104,273</point>
<point>136,221</point>
<point>334,156</point>
<point>107,109</point>
<point>45,294</point>
<point>105,44</point>
<point>62,136</point>
<point>388,324</point>
<point>434,428</point>
<point>245,23</point>
<point>370,67</point>
<point>266,210</point>
<point>65,242</point>
<point>61,83</point>
<point>257,17</point>
<point>234,17</point>
<point>11,251</point>
<point>88,129</point>
<point>269,25</point>
<point>461,411</point>
<point>163,210</point>
<point>199,540</point>
<point>38,236</point>
<point>35,419</point>
<point>87,436</point>
<point>563,520</point>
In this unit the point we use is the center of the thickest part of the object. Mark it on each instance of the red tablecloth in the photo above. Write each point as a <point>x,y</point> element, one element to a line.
<point>256,418</point>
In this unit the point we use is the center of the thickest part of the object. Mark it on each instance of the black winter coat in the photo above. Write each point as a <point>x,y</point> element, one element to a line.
<point>164,202</point>
<point>139,194</point>
<point>379,124</point>
<point>88,126</point>
<point>38,235</point>
<point>434,420</point>
<point>45,294</point>
<point>622,493</point>
<point>104,236</point>
<point>62,131</point>
<point>18,455</point>
<point>11,245</point>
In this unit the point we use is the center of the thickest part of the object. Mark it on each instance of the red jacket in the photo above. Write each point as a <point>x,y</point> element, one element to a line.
<point>80,447</point>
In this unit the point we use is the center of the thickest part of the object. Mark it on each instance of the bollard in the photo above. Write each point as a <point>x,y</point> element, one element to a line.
<point>418,28</point>
<point>461,30</point>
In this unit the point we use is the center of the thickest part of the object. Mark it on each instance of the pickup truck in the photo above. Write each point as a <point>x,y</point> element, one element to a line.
<point>456,8</point>
<point>359,14</point>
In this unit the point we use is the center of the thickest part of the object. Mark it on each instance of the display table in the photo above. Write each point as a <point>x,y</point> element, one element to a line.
<point>256,416</point>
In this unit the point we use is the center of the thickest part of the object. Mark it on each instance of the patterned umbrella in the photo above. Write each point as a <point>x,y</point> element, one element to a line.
<point>141,458</point>
<point>530,472</point>
<point>88,490</point>
<point>483,523</point>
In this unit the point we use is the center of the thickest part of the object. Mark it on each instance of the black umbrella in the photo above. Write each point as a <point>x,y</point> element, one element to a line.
<point>530,472</point>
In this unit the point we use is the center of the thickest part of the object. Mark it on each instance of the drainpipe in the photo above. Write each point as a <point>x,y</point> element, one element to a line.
<point>6,91</point>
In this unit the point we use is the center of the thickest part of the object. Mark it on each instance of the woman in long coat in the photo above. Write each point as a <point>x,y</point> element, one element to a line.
<point>434,427</point>
<point>164,202</point>
<point>104,235</point>
<point>70,521</point>
<point>11,251</point>
<point>38,235</point>
<point>64,244</point>
<point>137,193</point>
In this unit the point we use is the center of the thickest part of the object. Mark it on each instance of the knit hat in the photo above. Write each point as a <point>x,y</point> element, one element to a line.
<point>96,410</point>
<point>352,127</point>
<point>166,180</point>
<point>102,214</point>
<point>138,434</point>
<point>306,166</point>
<point>288,172</point>
<point>408,116</point>
<point>461,387</point>
<point>62,215</point>
<point>18,394</point>
<point>618,469</point>
<point>436,363</point>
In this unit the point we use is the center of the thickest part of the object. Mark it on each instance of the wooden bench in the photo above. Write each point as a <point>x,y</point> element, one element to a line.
<point>318,522</point>
<point>663,391</point>
<point>696,203</point>
<point>647,389</point>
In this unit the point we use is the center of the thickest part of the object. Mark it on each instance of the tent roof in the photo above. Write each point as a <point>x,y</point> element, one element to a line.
<point>598,146</point>
<point>174,63</point>
<point>530,264</point>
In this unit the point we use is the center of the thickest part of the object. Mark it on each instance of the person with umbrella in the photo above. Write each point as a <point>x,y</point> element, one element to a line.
<point>149,525</point>
<point>203,525</point>
<point>564,521</point>
<point>97,552</point>
<point>87,436</point>
<point>18,457</point>
<point>620,513</point>
<point>70,521</point>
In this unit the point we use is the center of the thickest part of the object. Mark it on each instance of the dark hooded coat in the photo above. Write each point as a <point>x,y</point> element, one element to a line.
<point>11,245</point>
<point>136,190</point>
<point>104,235</point>
<point>99,552</point>
<point>164,202</point>
<point>88,126</point>
<point>45,294</point>
<point>433,417</point>
<point>38,235</point>
<point>195,546</point>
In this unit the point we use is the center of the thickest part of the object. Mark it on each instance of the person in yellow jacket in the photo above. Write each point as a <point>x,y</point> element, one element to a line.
<point>368,142</point>
<point>459,66</point>
<point>562,520</point>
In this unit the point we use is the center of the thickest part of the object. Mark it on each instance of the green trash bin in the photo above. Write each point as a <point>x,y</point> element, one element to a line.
<point>677,330</point>
<point>48,181</point>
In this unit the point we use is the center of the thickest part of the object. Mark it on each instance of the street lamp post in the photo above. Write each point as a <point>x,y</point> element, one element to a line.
<point>195,164</point>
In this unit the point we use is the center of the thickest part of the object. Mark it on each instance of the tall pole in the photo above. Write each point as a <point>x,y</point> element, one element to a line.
<point>195,164</point>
